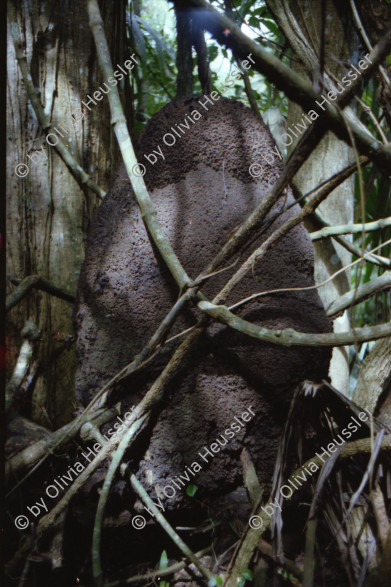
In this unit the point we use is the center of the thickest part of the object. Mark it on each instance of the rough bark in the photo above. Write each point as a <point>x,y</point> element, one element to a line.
<point>47,211</point>
<point>374,383</point>
<point>330,156</point>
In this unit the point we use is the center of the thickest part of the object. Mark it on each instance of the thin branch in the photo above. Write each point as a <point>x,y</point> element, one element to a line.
<point>376,259</point>
<point>351,228</point>
<point>39,283</point>
<point>359,294</point>
<point>255,532</point>
<point>159,572</point>
<point>266,549</point>
<point>289,337</point>
<point>297,88</point>
<point>45,447</point>
<point>82,178</point>
<point>150,399</point>
<point>260,252</point>
<point>307,288</point>
<point>115,463</point>
<point>366,40</point>
<point>118,121</point>
<point>375,121</point>
<point>169,529</point>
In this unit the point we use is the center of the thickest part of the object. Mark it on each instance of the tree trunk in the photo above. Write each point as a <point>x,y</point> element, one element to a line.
<point>47,210</point>
<point>374,382</point>
<point>330,156</point>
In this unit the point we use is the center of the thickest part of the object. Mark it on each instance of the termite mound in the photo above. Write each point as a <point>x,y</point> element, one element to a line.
<point>202,190</point>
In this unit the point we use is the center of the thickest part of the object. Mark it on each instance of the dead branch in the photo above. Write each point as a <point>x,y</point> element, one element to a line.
<point>296,87</point>
<point>118,121</point>
<point>38,282</point>
<point>169,529</point>
<point>253,535</point>
<point>115,463</point>
<point>350,229</point>
<point>289,337</point>
<point>356,296</point>
<point>376,259</point>
<point>159,572</point>
<point>27,458</point>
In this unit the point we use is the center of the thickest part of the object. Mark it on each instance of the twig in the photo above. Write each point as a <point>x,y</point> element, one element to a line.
<point>296,87</point>
<point>115,463</point>
<point>366,40</point>
<point>260,252</point>
<point>376,259</point>
<point>44,448</point>
<point>289,337</point>
<point>373,118</point>
<point>308,288</point>
<point>266,549</point>
<point>169,529</point>
<point>40,283</point>
<point>351,228</point>
<point>118,121</point>
<point>82,178</point>
<point>253,535</point>
<point>355,296</point>
<point>159,572</point>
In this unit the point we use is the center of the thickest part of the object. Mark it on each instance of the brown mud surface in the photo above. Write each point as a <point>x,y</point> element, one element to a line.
<point>202,191</point>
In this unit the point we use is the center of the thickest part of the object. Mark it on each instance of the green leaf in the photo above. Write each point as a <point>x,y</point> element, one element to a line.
<point>161,46</point>
<point>215,581</point>
<point>191,490</point>
<point>247,574</point>
<point>137,36</point>
<point>253,21</point>
<point>163,564</point>
<point>212,53</point>
<point>271,26</point>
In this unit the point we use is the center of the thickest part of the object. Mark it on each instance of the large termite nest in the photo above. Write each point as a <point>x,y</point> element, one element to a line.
<point>202,191</point>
